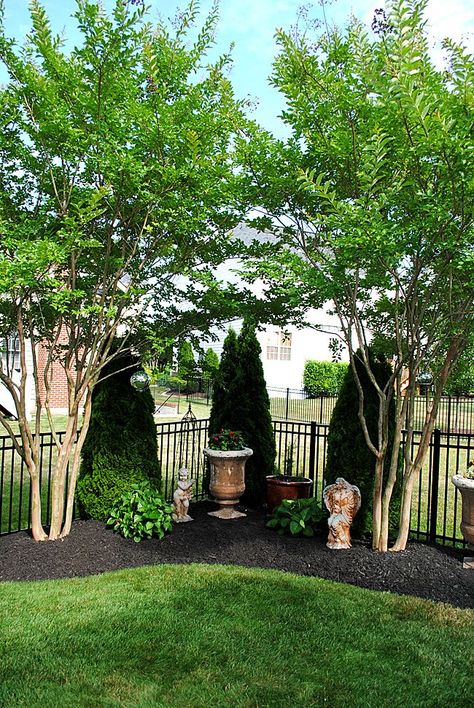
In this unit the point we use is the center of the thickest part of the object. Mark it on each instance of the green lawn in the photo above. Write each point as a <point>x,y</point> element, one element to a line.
<point>202,635</point>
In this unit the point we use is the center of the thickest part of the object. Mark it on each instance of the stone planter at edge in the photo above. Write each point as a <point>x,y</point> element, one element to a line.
<point>466,488</point>
<point>227,480</point>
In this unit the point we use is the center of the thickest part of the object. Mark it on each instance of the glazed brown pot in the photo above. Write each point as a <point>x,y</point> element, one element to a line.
<point>227,480</point>
<point>280,487</point>
<point>466,488</point>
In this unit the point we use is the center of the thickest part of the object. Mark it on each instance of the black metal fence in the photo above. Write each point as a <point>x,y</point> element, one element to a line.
<point>301,449</point>
<point>173,397</point>
<point>455,414</point>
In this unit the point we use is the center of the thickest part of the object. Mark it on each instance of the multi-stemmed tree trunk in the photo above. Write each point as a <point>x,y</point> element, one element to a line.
<point>348,454</point>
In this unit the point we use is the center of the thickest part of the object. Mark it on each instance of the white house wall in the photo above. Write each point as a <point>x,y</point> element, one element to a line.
<point>306,344</point>
<point>6,399</point>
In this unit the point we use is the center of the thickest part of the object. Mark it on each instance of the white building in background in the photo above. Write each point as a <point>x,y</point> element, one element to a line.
<point>285,351</point>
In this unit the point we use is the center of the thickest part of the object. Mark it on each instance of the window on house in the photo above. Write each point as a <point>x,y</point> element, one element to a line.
<point>278,345</point>
<point>285,346</point>
<point>10,353</point>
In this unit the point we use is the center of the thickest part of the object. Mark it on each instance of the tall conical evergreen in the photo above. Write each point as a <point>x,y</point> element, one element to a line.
<point>251,415</point>
<point>221,408</point>
<point>348,455</point>
<point>186,361</point>
<point>210,366</point>
<point>120,448</point>
<point>240,402</point>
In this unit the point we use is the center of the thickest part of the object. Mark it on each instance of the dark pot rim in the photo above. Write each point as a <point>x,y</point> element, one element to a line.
<point>287,480</point>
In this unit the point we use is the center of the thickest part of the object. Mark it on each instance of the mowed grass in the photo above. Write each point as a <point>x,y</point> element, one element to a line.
<point>201,635</point>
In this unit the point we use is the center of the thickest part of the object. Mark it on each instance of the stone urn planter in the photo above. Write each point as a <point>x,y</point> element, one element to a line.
<point>227,479</point>
<point>465,485</point>
<point>281,487</point>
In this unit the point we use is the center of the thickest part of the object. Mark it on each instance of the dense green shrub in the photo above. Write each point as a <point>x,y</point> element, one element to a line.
<point>187,368</point>
<point>210,366</point>
<point>141,513</point>
<point>120,449</point>
<point>323,378</point>
<point>240,402</point>
<point>173,383</point>
<point>300,517</point>
<point>461,380</point>
<point>348,455</point>
<point>221,407</point>
<point>251,415</point>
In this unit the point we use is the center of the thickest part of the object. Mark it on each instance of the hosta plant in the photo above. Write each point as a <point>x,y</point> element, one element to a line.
<point>299,517</point>
<point>141,513</point>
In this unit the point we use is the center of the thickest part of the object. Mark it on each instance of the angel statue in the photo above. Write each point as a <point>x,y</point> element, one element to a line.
<point>182,496</point>
<point>343,502</point>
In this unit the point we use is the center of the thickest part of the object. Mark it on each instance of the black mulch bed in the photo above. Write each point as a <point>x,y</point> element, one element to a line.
<point>421,570</point>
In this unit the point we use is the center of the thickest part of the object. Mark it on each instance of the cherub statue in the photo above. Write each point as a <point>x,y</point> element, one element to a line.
<point>182,496</point>
<point>343,502</point>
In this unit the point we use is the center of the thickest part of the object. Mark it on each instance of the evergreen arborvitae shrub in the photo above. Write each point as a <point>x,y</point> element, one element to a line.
<point>240,402</point>
<point>251,415</point>
<point>221,407</point>
<point>120,449</point>
<point>186,361</point>
<point>348,455</point>
<point>210,366</point>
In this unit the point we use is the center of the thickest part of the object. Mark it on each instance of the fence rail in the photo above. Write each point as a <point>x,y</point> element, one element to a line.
<point>15,486</point>
<point>301,448</point>
<point>455,414</point>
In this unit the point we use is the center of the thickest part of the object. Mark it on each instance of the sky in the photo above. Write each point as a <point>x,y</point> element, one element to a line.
<point>251,25</point>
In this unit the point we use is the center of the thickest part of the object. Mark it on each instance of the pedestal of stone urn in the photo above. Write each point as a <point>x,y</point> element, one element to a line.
<point>227,480</point>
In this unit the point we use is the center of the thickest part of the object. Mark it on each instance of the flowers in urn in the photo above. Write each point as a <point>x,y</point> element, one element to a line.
<point>226,440</point>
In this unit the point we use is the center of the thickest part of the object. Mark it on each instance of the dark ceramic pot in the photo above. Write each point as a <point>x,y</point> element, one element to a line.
<point>280,487</point>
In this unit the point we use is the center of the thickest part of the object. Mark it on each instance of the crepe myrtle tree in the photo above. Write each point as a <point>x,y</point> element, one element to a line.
<point>371,204</point>
<point>118,189</point>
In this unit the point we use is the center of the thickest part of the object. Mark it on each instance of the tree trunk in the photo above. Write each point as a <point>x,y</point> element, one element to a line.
<point>414,469</point>
<point>405,513</point>
<point>377,503</point>
<point>57,502</point>
<point>59,479</point>
<point>36,525</point>
<point>73,472</point>
<point>387,495</point>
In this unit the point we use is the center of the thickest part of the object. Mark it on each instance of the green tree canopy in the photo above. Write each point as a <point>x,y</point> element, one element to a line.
<point>118,188</point>
<point>371,200</point>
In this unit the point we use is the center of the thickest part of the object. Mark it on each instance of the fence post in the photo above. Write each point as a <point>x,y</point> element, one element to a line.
<point>312,451</point>
<point>435,484</point>
<point>287,403</point>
